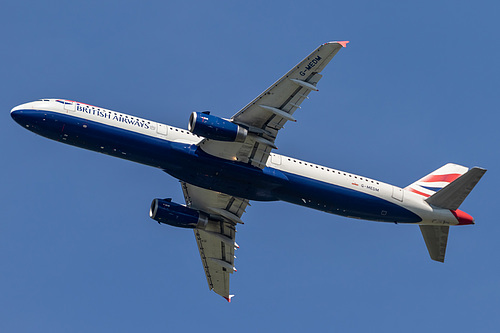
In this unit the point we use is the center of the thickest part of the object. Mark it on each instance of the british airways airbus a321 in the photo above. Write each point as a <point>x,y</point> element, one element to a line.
<point>224,163</point>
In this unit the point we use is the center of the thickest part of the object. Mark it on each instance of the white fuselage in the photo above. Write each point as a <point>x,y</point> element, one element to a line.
<point>291,167</point>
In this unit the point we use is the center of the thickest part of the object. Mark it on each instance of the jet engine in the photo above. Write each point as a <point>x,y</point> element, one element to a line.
<point>168,212</point>
<point>215,128</point>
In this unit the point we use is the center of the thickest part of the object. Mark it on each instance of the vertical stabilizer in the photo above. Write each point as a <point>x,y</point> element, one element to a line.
<point>437,180</point>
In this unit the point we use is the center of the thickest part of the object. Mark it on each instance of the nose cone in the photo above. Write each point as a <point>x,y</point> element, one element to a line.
<point>25,115</point>
<point>19,113</point>
<point>16,114</point>
<point>25,106</point>
<point>462,217</point>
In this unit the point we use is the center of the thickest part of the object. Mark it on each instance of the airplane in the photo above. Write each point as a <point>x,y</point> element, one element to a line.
<point>222,164</point>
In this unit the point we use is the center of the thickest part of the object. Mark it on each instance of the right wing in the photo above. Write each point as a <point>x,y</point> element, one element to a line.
<point>217,242</point>
<point>268,112</point>
<point>288,92</point>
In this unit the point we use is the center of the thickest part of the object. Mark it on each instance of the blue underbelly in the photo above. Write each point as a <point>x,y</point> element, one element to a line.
<point>339,200</point>
<point>189,163</point>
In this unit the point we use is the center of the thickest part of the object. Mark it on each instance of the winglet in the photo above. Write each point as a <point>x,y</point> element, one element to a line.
<point>229,298</point>
<point>343,43</point>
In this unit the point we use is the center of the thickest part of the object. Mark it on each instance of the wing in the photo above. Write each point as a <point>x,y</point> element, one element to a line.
<point>268,113</point>
<point>217,242</point>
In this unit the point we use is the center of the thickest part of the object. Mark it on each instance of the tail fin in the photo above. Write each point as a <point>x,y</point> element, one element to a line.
<point>437,180</point>
<point>447,188</point>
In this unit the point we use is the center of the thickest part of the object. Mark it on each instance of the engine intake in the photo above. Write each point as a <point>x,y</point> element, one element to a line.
<point>171,213</point>
<point>215,128</point>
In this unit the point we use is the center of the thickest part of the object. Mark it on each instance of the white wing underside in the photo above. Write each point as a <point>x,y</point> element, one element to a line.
<point>217,242</point>
<point>268,113</point>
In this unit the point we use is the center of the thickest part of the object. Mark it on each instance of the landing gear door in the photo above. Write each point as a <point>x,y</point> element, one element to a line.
<point>397,193</point>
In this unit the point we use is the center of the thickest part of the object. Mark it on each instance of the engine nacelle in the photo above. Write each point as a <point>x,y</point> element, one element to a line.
<point>167,212</point>
<point>215,128</point>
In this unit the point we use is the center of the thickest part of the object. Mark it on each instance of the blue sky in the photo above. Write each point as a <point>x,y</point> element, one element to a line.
<point>415,89</point>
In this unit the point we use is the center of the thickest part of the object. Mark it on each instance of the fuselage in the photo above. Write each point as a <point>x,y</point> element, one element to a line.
<point>176,151</point>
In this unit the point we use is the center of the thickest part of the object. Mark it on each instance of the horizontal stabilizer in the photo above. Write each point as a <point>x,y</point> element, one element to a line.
<point>436,238</point>
<point>452,195</point>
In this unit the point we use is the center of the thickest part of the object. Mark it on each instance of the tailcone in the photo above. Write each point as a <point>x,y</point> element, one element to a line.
<point>462,217</point>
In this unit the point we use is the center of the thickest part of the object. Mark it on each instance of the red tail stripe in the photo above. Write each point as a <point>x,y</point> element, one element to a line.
<point>418,192</point>
<point>441,178</point>
<point>462,217</point>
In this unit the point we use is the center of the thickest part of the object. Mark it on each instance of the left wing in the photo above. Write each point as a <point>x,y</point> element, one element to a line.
<point>268,112</point>
<point>217,242</point>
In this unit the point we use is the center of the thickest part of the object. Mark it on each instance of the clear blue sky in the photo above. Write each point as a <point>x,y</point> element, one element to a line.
<point>416,88</point>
